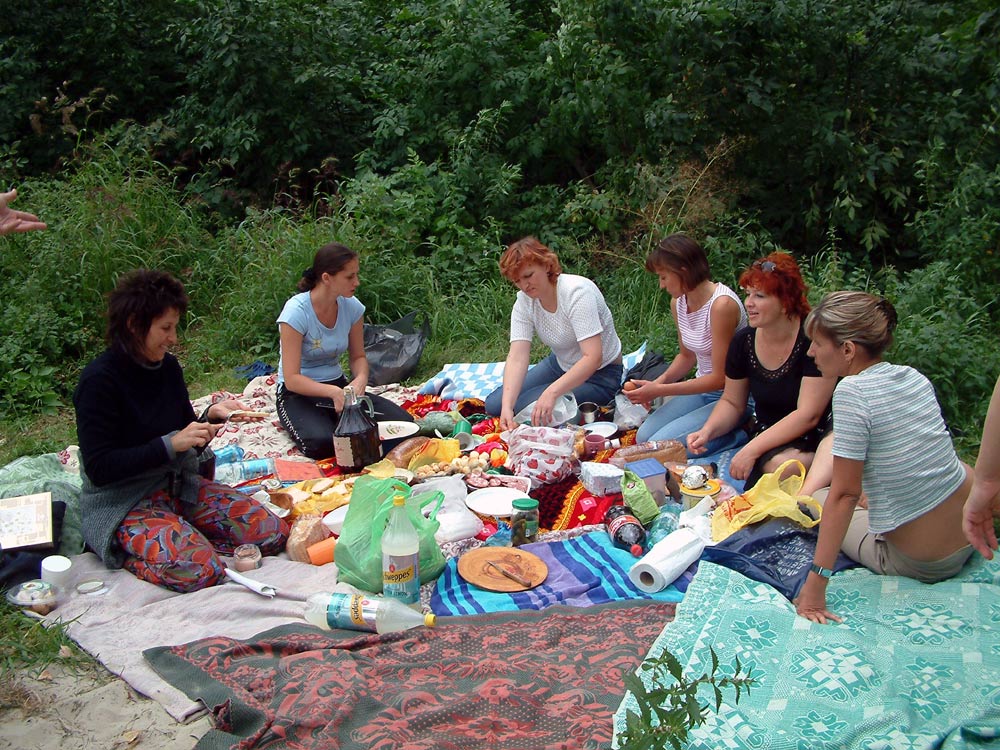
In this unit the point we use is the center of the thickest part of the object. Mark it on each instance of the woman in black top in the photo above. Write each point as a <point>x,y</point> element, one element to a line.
<point>144,505</point>
<point>768,362</point>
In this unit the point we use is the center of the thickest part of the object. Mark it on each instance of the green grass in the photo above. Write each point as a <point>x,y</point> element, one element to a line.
<point>28,646</point>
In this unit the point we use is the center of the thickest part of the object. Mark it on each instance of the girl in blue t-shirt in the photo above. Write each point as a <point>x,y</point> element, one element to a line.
<point>317,326</point>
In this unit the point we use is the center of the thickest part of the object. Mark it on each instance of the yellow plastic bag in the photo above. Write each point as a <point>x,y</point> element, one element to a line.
<point>435,450</point>
<point>771,497</point>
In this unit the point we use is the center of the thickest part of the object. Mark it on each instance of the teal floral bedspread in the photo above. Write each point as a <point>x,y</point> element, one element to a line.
<point>912,666</point>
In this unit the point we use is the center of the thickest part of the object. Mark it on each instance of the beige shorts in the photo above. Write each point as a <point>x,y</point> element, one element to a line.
<point>880,556</point>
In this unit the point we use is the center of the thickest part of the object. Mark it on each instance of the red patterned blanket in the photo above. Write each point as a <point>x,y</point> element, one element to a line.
<point>527,679</point>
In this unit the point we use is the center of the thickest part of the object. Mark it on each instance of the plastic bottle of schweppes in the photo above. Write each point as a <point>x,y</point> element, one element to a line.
<point>401,556</point>
<point>359,612</point>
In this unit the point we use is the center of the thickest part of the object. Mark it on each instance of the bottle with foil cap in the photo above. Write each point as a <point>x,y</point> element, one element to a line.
<point>355,438</point>
<point>358,612</point>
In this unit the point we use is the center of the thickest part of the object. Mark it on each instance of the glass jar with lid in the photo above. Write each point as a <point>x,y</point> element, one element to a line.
<point>524,521</point>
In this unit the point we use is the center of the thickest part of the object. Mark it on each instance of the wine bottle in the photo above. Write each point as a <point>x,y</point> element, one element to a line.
<point>355,438</point>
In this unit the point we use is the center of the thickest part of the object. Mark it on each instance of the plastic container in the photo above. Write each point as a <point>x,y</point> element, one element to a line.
<point>625,530</point>
<point>524,521</point>
<point>355,438</point>
<point>653,473</point>
<point>228,454</point>
<point>357,612</point>
<point>400,556</point>
<point>38,596</point>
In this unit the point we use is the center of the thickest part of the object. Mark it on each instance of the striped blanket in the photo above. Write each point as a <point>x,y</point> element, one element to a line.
<point>583,571</point>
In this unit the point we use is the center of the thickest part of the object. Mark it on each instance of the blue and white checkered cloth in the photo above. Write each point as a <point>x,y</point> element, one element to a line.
<point>460,380</point>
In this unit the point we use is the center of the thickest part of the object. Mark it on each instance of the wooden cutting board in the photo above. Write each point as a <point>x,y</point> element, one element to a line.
<point>478,568</point>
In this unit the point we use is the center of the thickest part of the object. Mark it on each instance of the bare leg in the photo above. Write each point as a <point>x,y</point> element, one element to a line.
<point>820,473</point>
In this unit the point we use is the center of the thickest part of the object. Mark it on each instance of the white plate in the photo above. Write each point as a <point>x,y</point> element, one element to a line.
<point>394,430</point>
<point>494,501</point>
<point>604,429</point>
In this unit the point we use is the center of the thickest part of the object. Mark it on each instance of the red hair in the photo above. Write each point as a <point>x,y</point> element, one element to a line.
<point>525,252</point>
<point>784,281</point>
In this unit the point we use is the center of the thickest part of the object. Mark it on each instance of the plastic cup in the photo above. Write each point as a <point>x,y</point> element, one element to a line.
<point>322,553</point>
<point>56,570</point>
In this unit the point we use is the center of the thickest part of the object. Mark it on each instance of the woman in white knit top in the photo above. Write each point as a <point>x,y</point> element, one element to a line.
<point>569,315</point>
<point>707,314</point>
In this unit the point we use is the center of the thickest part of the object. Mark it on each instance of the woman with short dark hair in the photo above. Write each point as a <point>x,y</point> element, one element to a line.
<point>707,314</point>
<point>144,505</point>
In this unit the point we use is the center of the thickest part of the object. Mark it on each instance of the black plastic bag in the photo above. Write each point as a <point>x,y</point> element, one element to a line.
<point>394,350</point>
<point>650,367</point>
<point>777,552</point>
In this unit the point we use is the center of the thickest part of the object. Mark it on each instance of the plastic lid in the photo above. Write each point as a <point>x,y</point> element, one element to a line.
<point>430,619</point>
<point>636,550</point>
<point>399,500</point>
<point>525,503</point>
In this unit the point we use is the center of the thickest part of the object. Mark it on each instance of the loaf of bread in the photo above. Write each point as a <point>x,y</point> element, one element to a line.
<point>664,451</point>
<point>306,531</point>
<point>402,453</point>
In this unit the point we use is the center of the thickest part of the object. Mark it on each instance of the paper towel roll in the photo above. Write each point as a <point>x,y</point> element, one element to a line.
<point>668,558</point>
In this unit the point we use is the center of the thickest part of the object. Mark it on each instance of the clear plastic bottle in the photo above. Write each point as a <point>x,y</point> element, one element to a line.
<point>358,612</point>
<point>355,438</point>
<point>400,556</point>
<point>242,471</point>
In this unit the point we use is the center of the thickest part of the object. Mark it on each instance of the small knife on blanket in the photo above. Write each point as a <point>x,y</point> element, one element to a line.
<point>510,574</point>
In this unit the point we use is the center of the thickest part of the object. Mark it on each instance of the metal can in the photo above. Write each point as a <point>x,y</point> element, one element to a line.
<point>524,522</point>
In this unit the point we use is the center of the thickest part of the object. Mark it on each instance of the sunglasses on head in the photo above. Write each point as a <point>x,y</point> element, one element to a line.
<point>767,266</point>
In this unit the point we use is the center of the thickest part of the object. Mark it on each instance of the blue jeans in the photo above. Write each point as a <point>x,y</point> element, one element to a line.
<point>681,416</point>
<point>600,387</point>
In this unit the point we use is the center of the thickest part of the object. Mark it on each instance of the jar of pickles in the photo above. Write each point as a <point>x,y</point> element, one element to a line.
<point>524,521</point>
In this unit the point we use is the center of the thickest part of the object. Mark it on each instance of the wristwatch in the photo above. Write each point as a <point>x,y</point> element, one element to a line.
<point>825,572</point>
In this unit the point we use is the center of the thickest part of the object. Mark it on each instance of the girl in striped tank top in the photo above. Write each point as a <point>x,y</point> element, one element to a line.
<point>707,314</point>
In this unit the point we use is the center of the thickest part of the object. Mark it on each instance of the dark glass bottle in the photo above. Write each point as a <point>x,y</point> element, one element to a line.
<point>625,530</point>
<point>355,438</point>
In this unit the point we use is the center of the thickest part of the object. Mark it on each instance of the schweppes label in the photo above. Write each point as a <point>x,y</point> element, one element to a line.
<point>400,579</point>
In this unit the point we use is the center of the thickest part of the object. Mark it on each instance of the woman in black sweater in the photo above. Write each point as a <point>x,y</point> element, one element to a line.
<point>144,505</point>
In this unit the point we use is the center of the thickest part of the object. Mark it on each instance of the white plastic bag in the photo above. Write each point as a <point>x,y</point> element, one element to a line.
<point>565,410</point>
<point>455,519</point>
<point>627,414</point>
<point>542,454</point>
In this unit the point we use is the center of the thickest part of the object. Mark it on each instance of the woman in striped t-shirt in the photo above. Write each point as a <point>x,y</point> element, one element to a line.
<point>890,439</point>
<point>707,314</point>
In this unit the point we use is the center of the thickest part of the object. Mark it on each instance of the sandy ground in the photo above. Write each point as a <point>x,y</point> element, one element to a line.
<point>60,710</point>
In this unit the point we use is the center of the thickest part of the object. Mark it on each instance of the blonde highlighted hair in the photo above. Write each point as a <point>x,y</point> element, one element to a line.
<point>865,319</point>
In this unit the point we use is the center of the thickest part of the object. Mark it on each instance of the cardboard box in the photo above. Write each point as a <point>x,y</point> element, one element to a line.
<point>26,521</point>
<point>653,473</point>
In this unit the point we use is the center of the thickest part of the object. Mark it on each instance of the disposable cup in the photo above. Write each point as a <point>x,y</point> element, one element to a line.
<point>322,553</point>
<point>56,570</point>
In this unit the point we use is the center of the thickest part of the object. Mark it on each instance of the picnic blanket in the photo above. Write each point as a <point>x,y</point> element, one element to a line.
<point>479,379</point>
<point>584,571</point>
<point>912,666</point>
<point>521,679</point>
